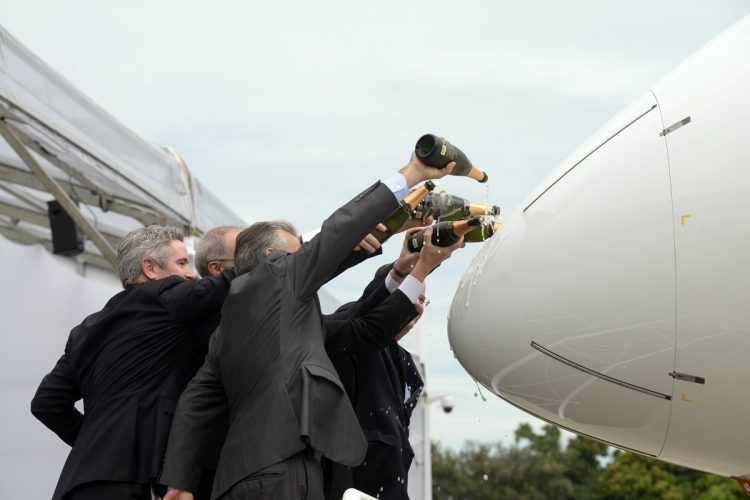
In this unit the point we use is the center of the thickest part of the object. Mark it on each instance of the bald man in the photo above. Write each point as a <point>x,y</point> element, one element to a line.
<point>214,252</point>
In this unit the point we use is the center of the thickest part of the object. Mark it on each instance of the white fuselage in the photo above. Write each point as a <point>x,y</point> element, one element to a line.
<point>627,269</point>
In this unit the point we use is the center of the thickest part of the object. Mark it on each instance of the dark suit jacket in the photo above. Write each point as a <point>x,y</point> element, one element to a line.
<point>384,386</point>
<point>367,324</point>
<point>267,366</point>
<point>129,362</point>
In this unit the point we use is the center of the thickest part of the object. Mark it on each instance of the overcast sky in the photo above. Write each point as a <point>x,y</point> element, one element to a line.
<point>285,110</point>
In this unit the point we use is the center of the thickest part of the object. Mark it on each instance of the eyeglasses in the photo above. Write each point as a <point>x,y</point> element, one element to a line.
<point>423,300</point>
<point>228,263</point>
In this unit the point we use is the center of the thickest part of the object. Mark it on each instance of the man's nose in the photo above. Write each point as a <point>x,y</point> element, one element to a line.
<point>190,275</point>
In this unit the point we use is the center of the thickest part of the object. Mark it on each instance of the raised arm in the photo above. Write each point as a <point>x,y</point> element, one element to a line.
<point>387,278</point>
<point>371,330</point>
<point>54,402</point>
<point>190,300</point>
<point>365,328</point>
<point>319,260</point>
<point>374,293</point>
<point>199,426</point>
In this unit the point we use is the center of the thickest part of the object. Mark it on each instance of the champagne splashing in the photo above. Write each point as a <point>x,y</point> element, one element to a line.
<point>479,390</point>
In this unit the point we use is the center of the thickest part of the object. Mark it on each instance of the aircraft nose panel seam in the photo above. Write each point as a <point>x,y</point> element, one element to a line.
<point>597,374</point>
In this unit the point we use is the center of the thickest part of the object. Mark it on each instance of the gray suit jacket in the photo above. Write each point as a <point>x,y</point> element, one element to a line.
<point>267,366</point>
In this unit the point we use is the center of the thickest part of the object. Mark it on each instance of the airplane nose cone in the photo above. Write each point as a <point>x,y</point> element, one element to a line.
<point>569,312</point>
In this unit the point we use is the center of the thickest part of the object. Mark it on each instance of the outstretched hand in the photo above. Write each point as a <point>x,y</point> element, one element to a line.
<point>431,255</point>
<point>415,171</point>
<point>406,260</point>
<point>370,243</point>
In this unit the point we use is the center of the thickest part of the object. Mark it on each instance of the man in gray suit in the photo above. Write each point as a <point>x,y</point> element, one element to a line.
<point>267,367</point>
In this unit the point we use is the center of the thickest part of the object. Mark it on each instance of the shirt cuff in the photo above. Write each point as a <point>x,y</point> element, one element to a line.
<point>390,283</point>
<point>412,288</point>
<point>397,184</point>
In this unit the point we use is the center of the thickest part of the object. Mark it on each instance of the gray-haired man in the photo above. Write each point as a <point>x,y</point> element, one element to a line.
<point>129,363</point>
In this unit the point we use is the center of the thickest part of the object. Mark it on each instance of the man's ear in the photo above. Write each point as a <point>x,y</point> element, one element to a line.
<point>268,251</point>
<point>149,268</point>
<point>214,268</point>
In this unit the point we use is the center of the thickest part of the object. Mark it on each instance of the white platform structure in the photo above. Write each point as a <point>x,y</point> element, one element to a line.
<point>55,143</point>
<point>58,144</point>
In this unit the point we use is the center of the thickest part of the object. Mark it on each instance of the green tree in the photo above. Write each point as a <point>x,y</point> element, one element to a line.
<point>630,476</point>
<point>538,467</point>
<point>579,462</point>
<point>583,460</point>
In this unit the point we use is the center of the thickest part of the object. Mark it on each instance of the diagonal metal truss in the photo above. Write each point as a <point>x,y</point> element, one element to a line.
<point>50,185</point>
<point>26,198</point>
<point>122,206</point>
<point>13,113</point>
<point>41,219</point>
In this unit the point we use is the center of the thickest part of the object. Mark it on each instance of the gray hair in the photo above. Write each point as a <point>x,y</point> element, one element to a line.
<point>150,241</point>
<point>253,241</point>
<point>211,247</point>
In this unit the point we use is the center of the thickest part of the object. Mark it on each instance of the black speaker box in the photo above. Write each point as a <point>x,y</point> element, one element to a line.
<point>66,239</point>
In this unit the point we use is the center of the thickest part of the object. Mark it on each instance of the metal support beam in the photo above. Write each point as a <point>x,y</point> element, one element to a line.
<point>26,198</point>
<point>9,110</point>
<point>118,205</point>
<point>59,193</point>
<point>41,219</point>
<point>103,200</point>
<point>24,214</point>
<point>53,159</point>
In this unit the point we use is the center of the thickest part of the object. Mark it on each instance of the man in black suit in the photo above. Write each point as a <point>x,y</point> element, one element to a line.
<point>389,390</point>
<point>384,386</point>
<point>388,386</point>
<point>267,366</point>
<point>129,363</point>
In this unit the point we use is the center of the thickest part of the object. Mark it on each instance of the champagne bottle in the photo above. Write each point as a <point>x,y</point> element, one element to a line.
<point>436,152</point>
<point>403,213</point>
<point>444,206</point>
<point>484,232</point>
<point>444,234</point>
